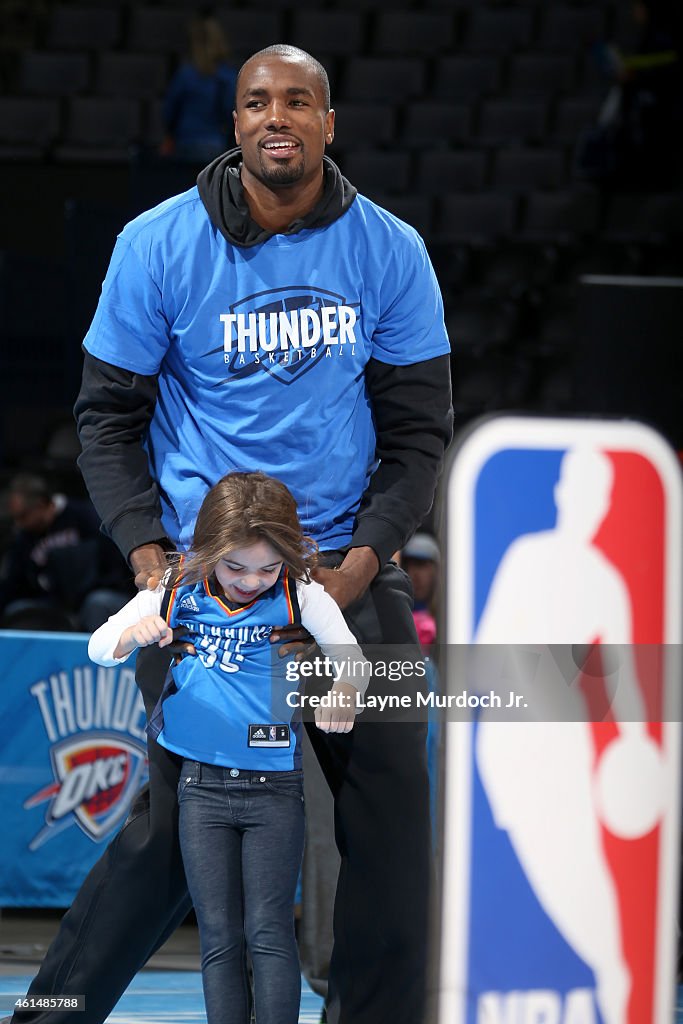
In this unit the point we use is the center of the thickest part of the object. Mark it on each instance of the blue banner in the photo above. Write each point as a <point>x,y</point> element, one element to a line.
<point>73,755</point>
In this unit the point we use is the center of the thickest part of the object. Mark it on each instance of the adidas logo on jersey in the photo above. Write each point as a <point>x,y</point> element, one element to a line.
<point>259,735</point>
<point>189,604</point>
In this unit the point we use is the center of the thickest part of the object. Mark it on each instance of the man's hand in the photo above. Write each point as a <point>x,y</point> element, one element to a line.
<point>296,640</point>
<point>341,714</point>
<point>352,578</point>
<point>149,564</point>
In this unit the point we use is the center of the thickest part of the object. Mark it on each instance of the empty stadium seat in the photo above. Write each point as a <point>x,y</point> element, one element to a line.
<point>561,217</point>
<point>572,116</point>
<point>537,74</point>
<point>325,31</point>
<point>53,74</point>
<point>443,171</point>
<point>565,27</point>
<point>383,78</point>
<point>467,77</point>
<point>428,123</point>
<point>476,219</point>
<point>522,170</point>
<point>413,32</point>
<point>157,30</point>
<point>498,30</point>
<point>27,126</point>
<point>99,129</point>
<point>504,121</point>
<point>358,125</point>
<point>373,169</point>
<point>136,75</point>
<point>83,28</point>
<point>250,30</point>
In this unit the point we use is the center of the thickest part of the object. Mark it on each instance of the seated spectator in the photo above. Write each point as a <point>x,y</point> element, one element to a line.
<point>200,97</point>
<point>420,558</point>
<point>637,143</point>
<point>57,571</point>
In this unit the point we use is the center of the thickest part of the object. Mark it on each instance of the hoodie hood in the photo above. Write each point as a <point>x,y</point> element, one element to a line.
<point>220,190</point>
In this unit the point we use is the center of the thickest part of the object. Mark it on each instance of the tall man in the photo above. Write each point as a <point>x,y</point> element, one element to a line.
<point>271,318</point>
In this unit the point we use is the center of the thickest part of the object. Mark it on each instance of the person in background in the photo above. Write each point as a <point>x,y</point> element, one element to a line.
<point>200,97</point>
<point>636,145</point>
<point>58,571</point>
<point>420,558</point>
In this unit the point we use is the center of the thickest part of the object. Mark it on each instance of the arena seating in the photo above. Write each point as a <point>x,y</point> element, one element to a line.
<point>461,116</point>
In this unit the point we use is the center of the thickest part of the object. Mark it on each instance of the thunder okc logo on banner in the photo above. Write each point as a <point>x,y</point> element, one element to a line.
<point>566,885</point>
<point>94,721</point>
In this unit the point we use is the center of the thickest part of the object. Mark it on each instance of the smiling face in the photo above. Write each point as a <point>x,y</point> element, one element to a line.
<point>246,573</point>
<point>281,121</point>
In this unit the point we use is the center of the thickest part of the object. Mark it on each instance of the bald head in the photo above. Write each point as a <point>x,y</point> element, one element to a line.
<point>296,56</point>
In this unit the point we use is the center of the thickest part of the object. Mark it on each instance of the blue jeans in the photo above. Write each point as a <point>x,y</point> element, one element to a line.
<point>242,837</point>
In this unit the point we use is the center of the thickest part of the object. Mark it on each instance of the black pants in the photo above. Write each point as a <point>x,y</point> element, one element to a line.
<point>135,896</point>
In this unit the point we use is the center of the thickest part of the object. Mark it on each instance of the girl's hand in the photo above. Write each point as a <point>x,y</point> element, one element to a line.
<point>151,629</point>
<point>341,714</point>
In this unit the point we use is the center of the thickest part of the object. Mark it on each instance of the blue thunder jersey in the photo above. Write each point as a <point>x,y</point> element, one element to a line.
<point>229,706</point>
<point>261,351</point>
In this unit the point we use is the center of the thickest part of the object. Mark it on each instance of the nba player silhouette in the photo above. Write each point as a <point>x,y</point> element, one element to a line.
<point>556,587</point>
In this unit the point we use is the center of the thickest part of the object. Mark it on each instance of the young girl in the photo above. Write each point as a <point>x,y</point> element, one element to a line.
<point>227,710</point>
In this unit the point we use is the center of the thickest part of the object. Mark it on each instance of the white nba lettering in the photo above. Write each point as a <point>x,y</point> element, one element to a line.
<point>495,1008</point>
<point>38,691</point>
<point>227,319</point>
<point>541,1007</point>
<point>579,1007</point>
<point>241,361</point>
<point>538,1006</point>
<point>62,703</point>
<point>313,353</point>
<point>329,314</point>
<point>310,327</point>
<point>104,697</point>
<point>83,697</point>
<point>328,354</point>
<point>247,331</point>
<point>347,322</point>
<point>271,357</point>
<point>289,329</point>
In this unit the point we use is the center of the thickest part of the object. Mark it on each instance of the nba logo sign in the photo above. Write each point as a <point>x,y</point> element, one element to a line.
<point>561,831</point>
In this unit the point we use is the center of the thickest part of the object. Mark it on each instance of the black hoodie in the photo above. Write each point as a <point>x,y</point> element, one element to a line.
<point>411,406</point>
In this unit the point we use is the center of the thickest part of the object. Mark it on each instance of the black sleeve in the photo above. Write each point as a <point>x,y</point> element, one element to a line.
<point>113,410</point>
<point>414,422</point>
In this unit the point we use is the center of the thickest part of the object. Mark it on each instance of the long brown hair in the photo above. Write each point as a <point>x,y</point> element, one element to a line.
<point>240,509</point>
<point>208,43</point>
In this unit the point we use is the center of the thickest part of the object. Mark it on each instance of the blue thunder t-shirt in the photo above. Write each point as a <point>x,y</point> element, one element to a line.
<point>261,351</point>
<point>230,702</point>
